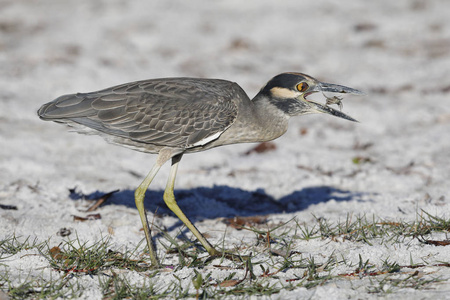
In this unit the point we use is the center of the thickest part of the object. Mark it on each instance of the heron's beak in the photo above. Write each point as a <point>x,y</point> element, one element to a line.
<point>332,88</point>
<point>336,88</point>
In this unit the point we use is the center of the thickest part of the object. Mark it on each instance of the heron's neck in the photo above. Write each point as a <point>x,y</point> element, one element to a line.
<point>272,121</point>
<point>258,120</point>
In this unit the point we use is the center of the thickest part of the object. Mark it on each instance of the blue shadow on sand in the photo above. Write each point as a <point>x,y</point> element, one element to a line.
<point>224,201</point>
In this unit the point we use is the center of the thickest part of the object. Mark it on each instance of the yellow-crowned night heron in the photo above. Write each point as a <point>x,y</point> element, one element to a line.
<point>173,116</point>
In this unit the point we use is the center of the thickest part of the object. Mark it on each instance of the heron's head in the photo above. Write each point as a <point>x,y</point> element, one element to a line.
<point>289,93</point>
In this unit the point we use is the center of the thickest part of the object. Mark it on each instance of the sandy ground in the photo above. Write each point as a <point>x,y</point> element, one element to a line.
<point>396,51</point>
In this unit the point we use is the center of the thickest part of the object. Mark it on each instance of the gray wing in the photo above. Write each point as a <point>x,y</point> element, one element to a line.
<point>175,112</point>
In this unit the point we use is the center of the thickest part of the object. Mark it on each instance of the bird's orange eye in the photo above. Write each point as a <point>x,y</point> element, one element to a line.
<point>302,86</point>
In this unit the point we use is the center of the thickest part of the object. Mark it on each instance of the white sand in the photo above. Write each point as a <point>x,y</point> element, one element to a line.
<point>396,51</point>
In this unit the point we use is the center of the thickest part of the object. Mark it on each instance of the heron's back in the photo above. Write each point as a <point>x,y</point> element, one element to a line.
<point>151,114</point>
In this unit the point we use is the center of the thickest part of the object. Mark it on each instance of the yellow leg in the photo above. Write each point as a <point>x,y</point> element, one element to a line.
<point>139,195</point>
<point>169,198</point>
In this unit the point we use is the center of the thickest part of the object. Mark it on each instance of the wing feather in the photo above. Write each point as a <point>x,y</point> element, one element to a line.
<point>177,112</point>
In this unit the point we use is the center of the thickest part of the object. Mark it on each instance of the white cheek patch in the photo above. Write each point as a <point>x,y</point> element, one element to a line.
<point>208,139</point>
<point>284,93</point>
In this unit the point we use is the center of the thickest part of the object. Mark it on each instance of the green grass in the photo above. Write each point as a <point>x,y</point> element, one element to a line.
<point>32,288</point>
<point>274,262</point>
<point>118,287</point>
<point>74,256</point>
<point>362,229</point>
<point>11,245</point>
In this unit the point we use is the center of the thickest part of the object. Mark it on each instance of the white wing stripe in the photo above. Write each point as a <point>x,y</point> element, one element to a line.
<point>208,139</point>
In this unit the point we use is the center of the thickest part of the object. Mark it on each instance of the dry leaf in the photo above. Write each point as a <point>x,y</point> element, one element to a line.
<point>262,147</point>
<point>87,218</point>
<point>56,253</point>
<point>437,243</point>
<point>101,201</point>
<point>239,222</point>
<point>228,283</point>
